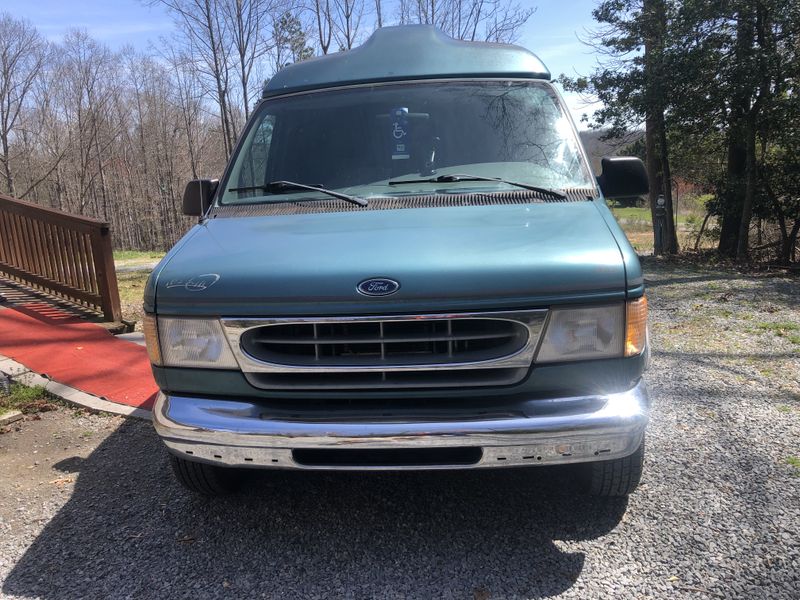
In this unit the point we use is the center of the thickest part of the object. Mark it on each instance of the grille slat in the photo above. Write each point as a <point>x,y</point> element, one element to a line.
<point>386,379</point>
<point>368,339</point>
<point>384,344</point>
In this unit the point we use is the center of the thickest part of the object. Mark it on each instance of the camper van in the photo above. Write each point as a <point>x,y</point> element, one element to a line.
<point>408,263</point>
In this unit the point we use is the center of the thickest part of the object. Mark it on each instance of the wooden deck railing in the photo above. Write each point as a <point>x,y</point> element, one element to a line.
<point>63,254</point>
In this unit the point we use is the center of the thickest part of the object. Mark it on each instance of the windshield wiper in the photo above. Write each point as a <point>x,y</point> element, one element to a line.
<point>285,186</point>
<point>461,177</point>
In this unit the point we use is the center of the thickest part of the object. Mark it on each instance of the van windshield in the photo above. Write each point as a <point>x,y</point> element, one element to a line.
<point>358,140</point>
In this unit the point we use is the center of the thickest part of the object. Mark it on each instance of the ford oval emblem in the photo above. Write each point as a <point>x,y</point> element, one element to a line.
<point>378,286</point>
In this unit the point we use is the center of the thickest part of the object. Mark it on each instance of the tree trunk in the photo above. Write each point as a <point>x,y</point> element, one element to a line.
<point>655,134</point>
<point>700,233</point>
<point>221,91</point>
<point>793,240</point>
<point>734,191</point>
<point>763,31</point>
<point>242,47</point>
<point>670,233</point>
<point>324,25</point>
<point>7,167</point>
<point>743,238</point>
<point>733,195</point>
<point>654,175</point>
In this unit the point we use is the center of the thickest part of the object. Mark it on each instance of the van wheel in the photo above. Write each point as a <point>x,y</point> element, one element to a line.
<point>205,479</point>
<point>617,477</point>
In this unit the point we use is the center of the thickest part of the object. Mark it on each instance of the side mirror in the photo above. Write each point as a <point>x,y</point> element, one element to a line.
<point>197,196</point>
<point>623,177</point>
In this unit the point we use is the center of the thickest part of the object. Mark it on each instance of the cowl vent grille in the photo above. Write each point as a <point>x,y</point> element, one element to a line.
<point>398,202</point>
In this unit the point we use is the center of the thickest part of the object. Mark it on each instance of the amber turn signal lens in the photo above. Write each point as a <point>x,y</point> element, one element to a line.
<point>635,326</point>
<point>150,327</point>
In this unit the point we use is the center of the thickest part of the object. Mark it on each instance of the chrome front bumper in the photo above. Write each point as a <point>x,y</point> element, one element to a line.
<point>550,431</point>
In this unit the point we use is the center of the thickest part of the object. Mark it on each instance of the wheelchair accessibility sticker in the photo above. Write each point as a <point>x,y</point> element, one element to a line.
<point>400,134</point>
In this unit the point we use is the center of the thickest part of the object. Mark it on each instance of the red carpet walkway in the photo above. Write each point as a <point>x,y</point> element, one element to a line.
<point>76,353</point>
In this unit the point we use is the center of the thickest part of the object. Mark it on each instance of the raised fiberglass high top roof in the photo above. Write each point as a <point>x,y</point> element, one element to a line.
<point>408,52</point>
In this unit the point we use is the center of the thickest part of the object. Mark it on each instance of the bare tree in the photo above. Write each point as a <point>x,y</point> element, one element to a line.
<point>488,20</point>
<point>190,103</point>
<point>89,83</point>
<point>246,20</point>
<point>346,22</point>
<point>22,56</point>
<point>116,135</point>
<point>324,19</point>
<point>48,142</point>
<point>208,41</point>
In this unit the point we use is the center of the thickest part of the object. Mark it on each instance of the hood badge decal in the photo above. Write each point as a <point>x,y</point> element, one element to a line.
<point>198,283</point>
<point>377,286</point>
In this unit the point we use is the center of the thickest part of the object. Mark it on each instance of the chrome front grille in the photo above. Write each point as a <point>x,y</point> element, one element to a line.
<point>394,343</point>
<point>436,350</point>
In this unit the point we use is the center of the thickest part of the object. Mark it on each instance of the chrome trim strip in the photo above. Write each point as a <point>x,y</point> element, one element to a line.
<point>561,430</point>
<point>533,320</point>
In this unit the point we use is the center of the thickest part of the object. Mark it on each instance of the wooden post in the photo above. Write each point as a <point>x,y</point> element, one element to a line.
<point>103,257</point>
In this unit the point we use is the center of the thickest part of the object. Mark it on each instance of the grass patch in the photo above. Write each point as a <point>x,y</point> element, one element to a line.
<point>131,293</point>
<point>794,461</point>
<point>25,399</point>
<point>642,242</point>
<point>633,213</point>
<point>721,312</point>
<point>637,223</point>
<point>131,285</point>
<point>137,255</point>
<point>643,214</point>
<point>779,327</point>
<point>783,330</point>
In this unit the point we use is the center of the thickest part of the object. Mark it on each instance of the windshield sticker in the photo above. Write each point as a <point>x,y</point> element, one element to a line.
<point>400,133</point>
<point>199,283</point>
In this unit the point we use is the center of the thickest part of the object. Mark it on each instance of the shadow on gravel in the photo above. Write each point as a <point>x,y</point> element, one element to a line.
<point>130,531</point>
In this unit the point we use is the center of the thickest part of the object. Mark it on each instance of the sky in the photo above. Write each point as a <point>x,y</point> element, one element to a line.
<point>553,31</point>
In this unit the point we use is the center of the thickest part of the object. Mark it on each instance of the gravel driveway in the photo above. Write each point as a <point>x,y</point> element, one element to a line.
<point>95,513</point>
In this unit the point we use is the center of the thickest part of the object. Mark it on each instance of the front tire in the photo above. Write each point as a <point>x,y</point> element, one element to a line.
<point>617,477</point>
<point>205,479</point>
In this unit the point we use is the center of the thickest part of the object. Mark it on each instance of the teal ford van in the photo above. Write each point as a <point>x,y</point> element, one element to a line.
<point>407,264</point>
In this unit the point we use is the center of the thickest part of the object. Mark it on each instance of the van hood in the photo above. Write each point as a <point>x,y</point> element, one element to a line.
<point>450,258</point>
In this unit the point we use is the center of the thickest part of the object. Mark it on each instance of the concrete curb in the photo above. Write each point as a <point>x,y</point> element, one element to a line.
<point>21,374</point>
<point>10,417</point>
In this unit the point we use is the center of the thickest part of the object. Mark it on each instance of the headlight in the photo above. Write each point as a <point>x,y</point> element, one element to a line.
<point>583,333</point>
<point>189,343</point>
